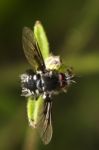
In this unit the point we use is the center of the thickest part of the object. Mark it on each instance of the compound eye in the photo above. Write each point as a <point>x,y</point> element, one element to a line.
<point>62,79</point>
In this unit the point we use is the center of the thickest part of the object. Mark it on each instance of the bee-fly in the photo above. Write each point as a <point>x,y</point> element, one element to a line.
<point>42,81</point>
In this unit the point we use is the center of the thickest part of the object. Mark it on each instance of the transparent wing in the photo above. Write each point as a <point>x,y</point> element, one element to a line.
<point>31,49</point>
<point>45,122</point>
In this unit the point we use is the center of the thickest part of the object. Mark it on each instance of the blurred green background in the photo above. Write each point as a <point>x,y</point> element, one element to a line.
<point>72,28</point>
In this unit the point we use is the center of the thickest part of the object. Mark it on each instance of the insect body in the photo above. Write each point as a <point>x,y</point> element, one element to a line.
<point>47,84</point>
<point>43,81</point>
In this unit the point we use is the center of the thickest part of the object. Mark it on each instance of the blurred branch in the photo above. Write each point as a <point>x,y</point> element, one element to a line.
<point>86,64</point>
<point>31,140</point>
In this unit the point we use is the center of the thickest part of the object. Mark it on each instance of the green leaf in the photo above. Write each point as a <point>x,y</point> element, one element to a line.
<point>34,109</point>
<point>30,109</point>
<point>41,37</point>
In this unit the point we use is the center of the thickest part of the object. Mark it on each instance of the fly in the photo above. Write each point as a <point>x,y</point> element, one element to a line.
<point>42,82</point>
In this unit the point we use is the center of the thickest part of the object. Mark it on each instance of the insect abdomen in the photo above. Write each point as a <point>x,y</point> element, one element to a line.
<point>28,84</point>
